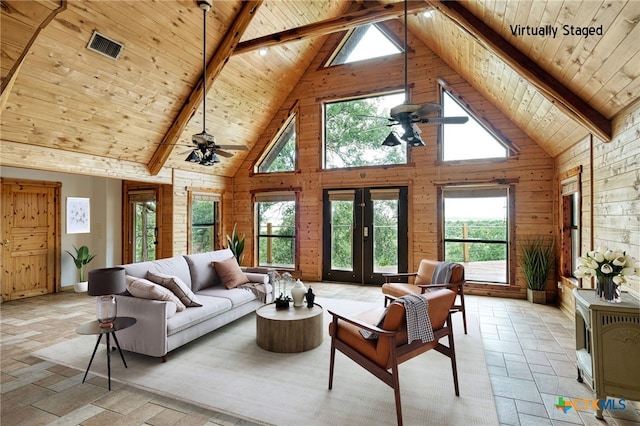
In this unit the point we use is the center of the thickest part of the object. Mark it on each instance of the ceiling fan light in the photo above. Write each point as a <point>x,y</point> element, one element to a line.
<point>392,140</point>
<point>193,157</point>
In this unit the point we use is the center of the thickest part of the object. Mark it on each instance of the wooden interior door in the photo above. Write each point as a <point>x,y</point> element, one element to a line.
<point>30,238</point>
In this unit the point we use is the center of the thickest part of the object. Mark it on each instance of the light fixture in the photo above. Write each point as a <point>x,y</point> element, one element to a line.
<point>205,142</point>
<point>412,135</point>
<point>392,140</point>
<point>262,51</point>
<point>105,283</point>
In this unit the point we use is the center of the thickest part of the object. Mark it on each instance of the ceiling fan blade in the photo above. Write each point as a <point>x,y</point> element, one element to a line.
<point>232,147</point>
<point>224,153</point>
<point>426,109</point>
<point>445,120</point>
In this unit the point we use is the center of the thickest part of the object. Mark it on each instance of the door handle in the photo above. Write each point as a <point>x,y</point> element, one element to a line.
<point>6,243</point>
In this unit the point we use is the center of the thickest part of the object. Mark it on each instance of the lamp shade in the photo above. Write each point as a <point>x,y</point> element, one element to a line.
<point>106,281</point>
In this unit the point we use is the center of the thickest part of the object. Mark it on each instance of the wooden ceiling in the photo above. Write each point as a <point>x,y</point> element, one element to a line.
<point>142,108</point>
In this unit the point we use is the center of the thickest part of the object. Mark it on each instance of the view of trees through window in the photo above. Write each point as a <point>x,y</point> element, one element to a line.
<point>355,130</point>
<point>475,233</point>
<point>203,219</point>
<point>282,155</point>
<point>145,228</point>
<point>276,233</point>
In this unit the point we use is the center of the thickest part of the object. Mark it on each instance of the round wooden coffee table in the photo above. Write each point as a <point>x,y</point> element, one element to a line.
<point>289,330</point>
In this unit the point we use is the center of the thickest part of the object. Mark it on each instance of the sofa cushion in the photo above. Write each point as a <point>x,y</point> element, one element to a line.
<point>175,266</point>
<point>230,273</point>
<point>178,288</point>
<point>237,296</point>
<point>211,307</point>
<point>145,289</point>
<point>203,274</point>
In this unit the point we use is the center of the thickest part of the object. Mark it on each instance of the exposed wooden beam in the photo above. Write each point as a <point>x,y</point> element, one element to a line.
<point>369,15</point>
<point>10,8</point>
<point>549,86</point>
<point>214,67</point>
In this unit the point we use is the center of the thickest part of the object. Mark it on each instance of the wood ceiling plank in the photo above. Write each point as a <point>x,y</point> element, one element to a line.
<point>543,81</point>
<point>214,67</point>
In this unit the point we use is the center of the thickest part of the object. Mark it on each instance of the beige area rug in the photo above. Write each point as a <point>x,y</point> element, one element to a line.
<point>226,371</point>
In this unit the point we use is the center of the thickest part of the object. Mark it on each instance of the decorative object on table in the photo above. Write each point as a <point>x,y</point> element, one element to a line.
<point>609,267</point>
<point>105,283</point>
<point>78,215</point>
<point>81,259</point>
<point>282,301</point>
<point>297,292</point>
<point>310,297</point>
<point>236,244</point>
<point>537,260</point>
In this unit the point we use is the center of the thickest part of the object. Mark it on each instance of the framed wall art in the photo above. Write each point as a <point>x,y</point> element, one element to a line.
<point>78,215</point>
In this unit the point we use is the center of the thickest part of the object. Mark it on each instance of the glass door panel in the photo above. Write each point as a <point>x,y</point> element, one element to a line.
<point>144,230</point>
<point>342,235</point>
<point>385,236</point>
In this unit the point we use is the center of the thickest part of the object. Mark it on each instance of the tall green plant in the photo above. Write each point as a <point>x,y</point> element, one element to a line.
<point>537,260</point>
<point>236,244</point>
<point>81,259</point>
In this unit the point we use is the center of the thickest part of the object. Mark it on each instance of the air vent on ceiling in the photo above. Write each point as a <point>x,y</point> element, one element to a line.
<point>104,45</point>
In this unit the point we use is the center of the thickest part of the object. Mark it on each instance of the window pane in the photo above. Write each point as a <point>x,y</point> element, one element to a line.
<point>467,141</point>
<point>276,234</point>
<point>282,155</point>
<point>365,42</point>
<point>385,236</point>
<point>203,221</point>
<point>475,231</point>
<point>342,235</point>
<point>355,130</point>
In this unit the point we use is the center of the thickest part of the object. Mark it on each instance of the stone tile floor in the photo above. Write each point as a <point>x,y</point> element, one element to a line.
<point>530,353</point>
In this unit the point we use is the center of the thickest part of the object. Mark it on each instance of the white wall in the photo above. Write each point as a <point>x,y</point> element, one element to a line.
<point>105,237</point>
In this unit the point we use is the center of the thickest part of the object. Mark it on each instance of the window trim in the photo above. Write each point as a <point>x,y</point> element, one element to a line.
<point>323,114</point>
<point>512,149</point>
<point>291,194</point>
<point>193,195</point>
<point>570,183</point>
<point>510,185</point>
<point>293,117</point>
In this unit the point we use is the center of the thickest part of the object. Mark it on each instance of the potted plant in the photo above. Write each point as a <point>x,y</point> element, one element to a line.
<point>81,259</point>
<point>236,244</point>
<point>537,260</point>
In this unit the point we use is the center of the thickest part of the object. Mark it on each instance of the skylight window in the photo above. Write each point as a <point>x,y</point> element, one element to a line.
<point>365,42</point>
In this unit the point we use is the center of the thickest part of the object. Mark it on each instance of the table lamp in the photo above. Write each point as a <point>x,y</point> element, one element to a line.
<point>105,283</point>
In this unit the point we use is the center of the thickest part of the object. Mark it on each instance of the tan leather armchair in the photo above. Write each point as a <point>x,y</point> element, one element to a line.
<point>382,356</point>
<point>422,282</point>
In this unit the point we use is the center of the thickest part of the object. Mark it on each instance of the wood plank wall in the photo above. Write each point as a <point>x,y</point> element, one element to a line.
<point>533,168</point>
<point>610,194</point>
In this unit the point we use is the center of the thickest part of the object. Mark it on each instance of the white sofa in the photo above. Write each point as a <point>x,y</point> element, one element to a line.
<point>159,329</point>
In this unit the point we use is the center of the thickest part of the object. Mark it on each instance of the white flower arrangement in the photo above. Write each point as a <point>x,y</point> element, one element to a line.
<point>607,263</point>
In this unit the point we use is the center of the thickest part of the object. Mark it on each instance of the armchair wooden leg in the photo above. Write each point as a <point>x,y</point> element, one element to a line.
<point>332,357</point>
<point>396,392</point>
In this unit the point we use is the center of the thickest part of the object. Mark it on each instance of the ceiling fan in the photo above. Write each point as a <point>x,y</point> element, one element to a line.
<point>408,115</point>
<point>206,150</point>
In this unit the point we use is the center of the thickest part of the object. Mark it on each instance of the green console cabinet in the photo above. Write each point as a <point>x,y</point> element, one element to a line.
<point>608,345</point>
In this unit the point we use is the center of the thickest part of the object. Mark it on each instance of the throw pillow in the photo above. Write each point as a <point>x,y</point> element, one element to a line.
<point>145,289</point>
<point>230,273</point>
<point>176,285</point>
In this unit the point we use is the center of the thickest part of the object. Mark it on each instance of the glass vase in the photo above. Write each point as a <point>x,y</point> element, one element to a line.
<point>106,310</point>
<point>608,290</point>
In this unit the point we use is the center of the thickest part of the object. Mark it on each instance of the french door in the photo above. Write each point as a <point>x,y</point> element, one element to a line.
<point>365,234</point>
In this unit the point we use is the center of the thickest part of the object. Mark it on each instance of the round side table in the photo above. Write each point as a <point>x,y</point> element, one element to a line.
<point>93,327</point>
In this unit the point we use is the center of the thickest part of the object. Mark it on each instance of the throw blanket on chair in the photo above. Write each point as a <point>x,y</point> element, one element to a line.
<point>418,323</point>
<point>442,273</point>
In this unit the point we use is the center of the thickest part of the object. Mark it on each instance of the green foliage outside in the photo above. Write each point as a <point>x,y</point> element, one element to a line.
<point>282,217</point>
<point>145,231</point>
<point>354,133</point>
<point>203,226</point>
<point>493,230</point>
